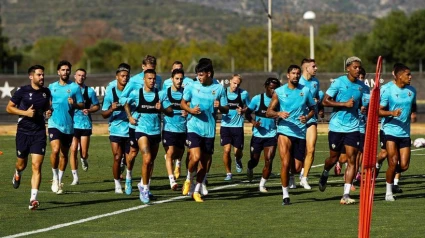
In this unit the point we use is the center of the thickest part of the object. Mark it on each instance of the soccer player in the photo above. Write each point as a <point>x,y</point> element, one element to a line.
<point>30,103</point>
<point>150,102</point>
<point>309,80</point>
<point>231,131</point>
<point>82,125</point>
<point>362,128</point>
<point>66,97</point>
<point>174,129</point>
<point>137,81</point>
<point>344,96</point>
<point>263,133</point>
<point>118,121</point>
<point>397,101</point>
<point>204,190</point>
<point>169,82</point>
<point>205,98</point>
<point>292,100</point>
<point>383,153</point>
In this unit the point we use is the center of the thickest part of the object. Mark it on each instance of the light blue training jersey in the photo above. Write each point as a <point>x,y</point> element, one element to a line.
<point>267,128</point>
<point>118,121</point>
<point>395,98</point>
<point>365,103</point>
<point>294,101</point>
<point>139,78</point>
<point>176,123</point>
<point>383,87</point>
<point>63,113</point>
<point>82,121</point>
<point>314,86</point>
<point>238,98</point>
<point>321,95</point>
<point>204,96</point>
<point>135,83</point>
<point>134,114</point>
<point>168,83</point>
<point>345,119</point>
<point>148,122</point>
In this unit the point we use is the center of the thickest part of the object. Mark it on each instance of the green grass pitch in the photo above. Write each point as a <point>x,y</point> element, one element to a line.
<point>232,209</point>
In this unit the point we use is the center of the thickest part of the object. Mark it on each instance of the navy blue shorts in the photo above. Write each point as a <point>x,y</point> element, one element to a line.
<point>78,133</point>
<point>361,145</point>
<point>132,141</point>
<point>26,144</point>
<point>118,139</point>
<point>233,136</point>
<point>401,142</point>
<point>206,144</point>
<point>65,139</point>
<point>152,139</point>
<point>297,147</point>
<point>337,140</point>
<point>311,124</point>
<point>382,139</point>
<point>174,139</point>
<point>121,141</point>
<point>258,143</point>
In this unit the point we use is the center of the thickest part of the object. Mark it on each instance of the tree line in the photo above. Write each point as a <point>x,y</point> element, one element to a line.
<point>398,37</point>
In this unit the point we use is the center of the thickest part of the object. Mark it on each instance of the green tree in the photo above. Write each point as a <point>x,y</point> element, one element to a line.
<point>387,39</point>
<point>414,45</point>
<point>47,51</point>
<point>8,56</point>
<point>103,56</point>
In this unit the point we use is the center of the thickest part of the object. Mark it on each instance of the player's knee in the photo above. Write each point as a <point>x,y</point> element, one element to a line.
<point>404,167</point>
<point>36,167</point>
<point>226,150</point>
<point>21,166</point>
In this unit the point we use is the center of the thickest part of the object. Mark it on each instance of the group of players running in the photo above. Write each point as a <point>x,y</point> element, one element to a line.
<point>185,112</point>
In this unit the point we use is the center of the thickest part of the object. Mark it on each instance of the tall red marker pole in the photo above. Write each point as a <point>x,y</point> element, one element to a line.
<point>367,187</point>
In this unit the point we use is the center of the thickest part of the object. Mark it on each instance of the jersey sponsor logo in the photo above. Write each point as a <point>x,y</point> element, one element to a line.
<point>44,95</point>
<point>302,94</point>
<point>213,92</point>
<point>147,106</point>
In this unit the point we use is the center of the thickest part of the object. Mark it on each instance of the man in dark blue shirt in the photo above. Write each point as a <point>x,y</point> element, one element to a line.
<point>31,103</point>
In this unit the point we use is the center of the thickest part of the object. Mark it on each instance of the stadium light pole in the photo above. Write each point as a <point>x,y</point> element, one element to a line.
<point>310,16</point>
<point>268,10</point>
<point>270,37</point>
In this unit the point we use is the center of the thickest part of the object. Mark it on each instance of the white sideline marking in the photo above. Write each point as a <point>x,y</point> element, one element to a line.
<point>106,215</point>
<point>318,165</point>
<point>417,149</point>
